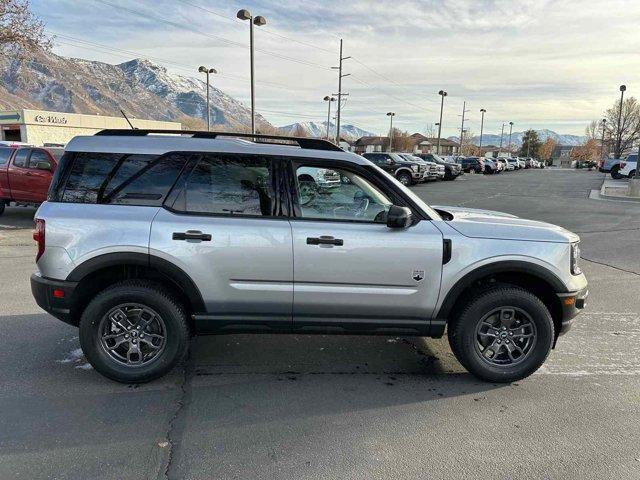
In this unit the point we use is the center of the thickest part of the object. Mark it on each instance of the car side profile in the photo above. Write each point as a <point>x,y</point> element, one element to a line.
<point>146,239</point>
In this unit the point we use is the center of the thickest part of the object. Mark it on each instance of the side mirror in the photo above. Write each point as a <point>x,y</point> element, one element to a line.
<point>43,165</point>
<point>388,161</point>
<point>399,217</point>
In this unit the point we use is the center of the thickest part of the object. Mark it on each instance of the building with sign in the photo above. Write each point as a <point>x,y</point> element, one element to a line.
<point>37,127</point>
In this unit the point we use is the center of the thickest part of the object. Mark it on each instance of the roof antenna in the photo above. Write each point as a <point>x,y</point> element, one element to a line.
<point>127,119</point>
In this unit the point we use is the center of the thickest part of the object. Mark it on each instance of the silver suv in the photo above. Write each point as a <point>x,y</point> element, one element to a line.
<point>147,238</point>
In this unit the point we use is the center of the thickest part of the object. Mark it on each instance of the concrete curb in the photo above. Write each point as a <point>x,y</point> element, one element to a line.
<point>600,195</point>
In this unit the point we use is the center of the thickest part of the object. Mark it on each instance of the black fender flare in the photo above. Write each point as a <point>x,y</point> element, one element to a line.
<point>505,266</point>
<point>178,276</point>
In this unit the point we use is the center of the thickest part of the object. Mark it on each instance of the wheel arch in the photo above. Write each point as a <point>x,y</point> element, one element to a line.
<point>97,273</point>
<point>532,277</point>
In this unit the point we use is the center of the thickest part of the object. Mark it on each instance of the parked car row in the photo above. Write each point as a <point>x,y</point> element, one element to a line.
<point>25,173</point>
<point>411,168</point>
<point>490,165</point>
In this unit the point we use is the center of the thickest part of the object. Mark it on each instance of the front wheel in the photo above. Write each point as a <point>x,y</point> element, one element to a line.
<point>404,178</point>
<point>134,332</point>
<point>502,335</point>
<point>632,174</point>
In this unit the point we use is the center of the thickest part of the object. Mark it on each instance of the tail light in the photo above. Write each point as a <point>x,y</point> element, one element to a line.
<point>38,236</point>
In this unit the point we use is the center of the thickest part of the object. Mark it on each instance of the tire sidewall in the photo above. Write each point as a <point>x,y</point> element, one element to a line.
<point>523,300</point>
<point>404,175</point>
<point>173,317</point>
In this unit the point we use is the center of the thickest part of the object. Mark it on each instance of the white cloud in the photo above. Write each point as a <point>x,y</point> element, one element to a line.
<point>537,63</point>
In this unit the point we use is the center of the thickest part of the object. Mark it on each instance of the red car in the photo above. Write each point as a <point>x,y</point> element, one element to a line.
<point>25,174</point>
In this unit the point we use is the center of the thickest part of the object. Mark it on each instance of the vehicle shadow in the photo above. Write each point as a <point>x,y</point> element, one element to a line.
<point>16,218</point>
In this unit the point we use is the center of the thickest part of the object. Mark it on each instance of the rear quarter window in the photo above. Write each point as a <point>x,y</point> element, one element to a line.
<point>115,178</point>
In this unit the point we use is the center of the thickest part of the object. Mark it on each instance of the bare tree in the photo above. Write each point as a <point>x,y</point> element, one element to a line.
<point>20,30</point>
<point>431,131</point>
<point>627,132</point>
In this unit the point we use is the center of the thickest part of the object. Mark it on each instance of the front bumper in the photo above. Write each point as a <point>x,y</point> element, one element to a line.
<point>572,304</point>
<point>61,307</point>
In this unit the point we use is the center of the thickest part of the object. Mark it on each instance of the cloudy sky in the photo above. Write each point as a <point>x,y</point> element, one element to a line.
<point>539,63</point>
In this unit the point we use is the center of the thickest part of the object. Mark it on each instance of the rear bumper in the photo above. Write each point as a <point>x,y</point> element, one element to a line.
<point>62,308</point>
<point>572,304</point>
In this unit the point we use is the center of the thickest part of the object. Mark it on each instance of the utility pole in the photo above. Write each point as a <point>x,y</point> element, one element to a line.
<point>619,142</point>
<point>501,135</point>
<point>464,106</point>
<point>340,94</point>
<point>482,111</point>
<point>510,130</point>
<point>604,122</point>
<point>391,115</point>
<point>443,94</point>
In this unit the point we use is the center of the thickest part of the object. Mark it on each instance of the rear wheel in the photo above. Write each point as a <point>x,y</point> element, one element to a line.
<point>502,335</point>
<point>632,174</point>
<point>615,172</point>
<point>2,207</point>
<point>134,332</point>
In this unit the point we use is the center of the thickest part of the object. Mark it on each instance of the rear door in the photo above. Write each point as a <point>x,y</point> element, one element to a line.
<point>38,178</point>
<point>18,174</point>
<point>352,272</point>
<point>225,226</point>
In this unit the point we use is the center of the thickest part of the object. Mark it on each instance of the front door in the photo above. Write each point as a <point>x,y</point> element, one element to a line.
<point>352,272</point>
<point>225,229</point>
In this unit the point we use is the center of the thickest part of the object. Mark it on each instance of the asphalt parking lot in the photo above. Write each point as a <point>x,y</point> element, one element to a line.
<point>296,407</point>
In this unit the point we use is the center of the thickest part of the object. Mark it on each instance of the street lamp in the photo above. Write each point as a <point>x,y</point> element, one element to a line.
<point>329,99</point>
<point>501,135</point>
<point>604,123</point>
<point>208,71</point>
<point>510,130</point>
<point>257,21</point>
<point>619,141</point>
<point>482,112</point>
<point>391,115</point>
<point>443,94</point>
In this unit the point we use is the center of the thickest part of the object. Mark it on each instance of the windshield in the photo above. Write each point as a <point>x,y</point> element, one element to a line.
<point>409,193</point>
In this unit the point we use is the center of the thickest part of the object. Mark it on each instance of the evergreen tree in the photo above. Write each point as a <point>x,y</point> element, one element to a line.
<point>530,144</point>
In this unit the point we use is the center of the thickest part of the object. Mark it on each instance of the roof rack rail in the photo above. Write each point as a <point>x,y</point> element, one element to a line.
<point>306,143</point>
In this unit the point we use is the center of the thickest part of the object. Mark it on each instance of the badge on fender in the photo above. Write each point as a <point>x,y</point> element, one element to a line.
<point>418,275</point>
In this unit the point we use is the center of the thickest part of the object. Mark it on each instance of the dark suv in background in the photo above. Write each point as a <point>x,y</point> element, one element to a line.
<point>451,170</point>
<point>406,171</point>
<point>469,164</point>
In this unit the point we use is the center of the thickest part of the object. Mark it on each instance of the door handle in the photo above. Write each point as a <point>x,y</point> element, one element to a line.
<point>325,240</point>
<point>191,235</point>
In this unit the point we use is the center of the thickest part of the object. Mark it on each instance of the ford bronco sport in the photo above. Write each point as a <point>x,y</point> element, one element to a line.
<point>149,237</point>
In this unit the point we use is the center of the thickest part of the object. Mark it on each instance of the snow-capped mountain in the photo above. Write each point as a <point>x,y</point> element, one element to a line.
<point>140,87</point>
<point>319,130</point>
<point>516,138</point>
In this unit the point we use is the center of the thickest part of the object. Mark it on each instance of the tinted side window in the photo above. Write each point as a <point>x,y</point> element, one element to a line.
<point>231,185</point>
<point>121,178</point>
<point>20,160</point>
<point>5,153</point>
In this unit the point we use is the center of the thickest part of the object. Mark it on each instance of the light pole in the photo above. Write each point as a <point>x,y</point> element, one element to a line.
<point>208,71</point>
<point>391,115</point>
<point>329,99</point>
<point>604,123</point>
<point>464,110</point>
<point>510,132</point>
<point>443,94</point>
<point>257,21</point>
<point>619,139</point>
<point>501,135</point>
<point>482,112</point>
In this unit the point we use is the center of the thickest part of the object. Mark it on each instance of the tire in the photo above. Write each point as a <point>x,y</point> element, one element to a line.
<point>467,332</point>
<point>615,173</point>
<point>167,313</point>
<point>632,174</point>
<point>404,178</point>
<point>2,206</point>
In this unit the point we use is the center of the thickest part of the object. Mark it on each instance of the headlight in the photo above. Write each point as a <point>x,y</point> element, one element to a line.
<point>575,257</point>
<point>415,168</point>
